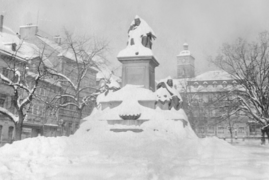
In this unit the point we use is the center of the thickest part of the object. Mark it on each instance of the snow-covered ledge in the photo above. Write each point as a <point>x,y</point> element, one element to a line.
<point>131,106</point>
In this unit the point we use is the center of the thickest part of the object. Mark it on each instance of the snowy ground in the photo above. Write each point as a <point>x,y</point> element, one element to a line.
<point>148,155</point>
<point>167,149</point>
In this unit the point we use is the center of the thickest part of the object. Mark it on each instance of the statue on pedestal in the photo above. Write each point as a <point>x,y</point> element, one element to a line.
<point>140,31</point>
<point>140,37</point>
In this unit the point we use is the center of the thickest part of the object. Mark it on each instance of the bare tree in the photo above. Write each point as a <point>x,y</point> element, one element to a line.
<point>192,104</point>
<point>226,106</point>
<point>23,86</point>
<point>82,57</point>
<point>248,64</point>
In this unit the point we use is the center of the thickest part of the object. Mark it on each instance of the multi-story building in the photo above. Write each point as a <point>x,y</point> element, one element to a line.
<point>41,118</point>
<point>63,61</point>
<point>208,103</point>
<point>16,53</point>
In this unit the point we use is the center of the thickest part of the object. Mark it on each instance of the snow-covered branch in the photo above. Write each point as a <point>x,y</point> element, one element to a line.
<point>6,112</point>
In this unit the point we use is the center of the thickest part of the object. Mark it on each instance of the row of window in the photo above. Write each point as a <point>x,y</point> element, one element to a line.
<point>219,130</point>
<point>214,85</point>
<point>39,110</point>
<point>209,97</point>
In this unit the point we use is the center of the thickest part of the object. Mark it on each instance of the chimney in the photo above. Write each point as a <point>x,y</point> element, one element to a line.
<point>57,39</point>
<point>1,22</point>
<point>185,46</point>
<point>28,31</point>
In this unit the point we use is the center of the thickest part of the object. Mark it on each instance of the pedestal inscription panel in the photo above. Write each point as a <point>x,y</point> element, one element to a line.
<point>135,75</point>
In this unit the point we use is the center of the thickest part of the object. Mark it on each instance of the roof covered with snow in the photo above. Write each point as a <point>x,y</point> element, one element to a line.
<point>211,81</point>
<point>213,75</point>
<point>185,51</point>
<point>52,44</point>
<point>24,50</point>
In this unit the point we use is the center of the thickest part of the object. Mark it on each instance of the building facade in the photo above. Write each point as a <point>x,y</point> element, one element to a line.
<point>209,105</point>
<point>15,53</point>
<point>63,62</point>
<point>41,119</point>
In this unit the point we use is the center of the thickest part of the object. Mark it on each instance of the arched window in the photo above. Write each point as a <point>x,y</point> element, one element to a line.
<point>224,83</point>
<point>215,84</point>
<point>205,84</point>
<point>234,83</point>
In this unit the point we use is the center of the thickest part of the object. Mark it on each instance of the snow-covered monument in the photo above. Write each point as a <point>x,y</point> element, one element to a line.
<point>166,148</point>
<point>138,61</point>
<point>137,101</point>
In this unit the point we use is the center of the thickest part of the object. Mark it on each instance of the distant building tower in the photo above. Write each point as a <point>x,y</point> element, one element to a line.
<point>185,63</point>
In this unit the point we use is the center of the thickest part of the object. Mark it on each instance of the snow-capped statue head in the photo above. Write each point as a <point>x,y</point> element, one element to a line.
<point>140,37</point>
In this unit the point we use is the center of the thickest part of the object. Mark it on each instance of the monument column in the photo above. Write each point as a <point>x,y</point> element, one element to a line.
<point>139,70</point>
<point>138,61</point>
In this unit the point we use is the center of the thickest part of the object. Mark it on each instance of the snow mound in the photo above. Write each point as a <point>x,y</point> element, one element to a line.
<point>167,153</point>
<point>166,149</point>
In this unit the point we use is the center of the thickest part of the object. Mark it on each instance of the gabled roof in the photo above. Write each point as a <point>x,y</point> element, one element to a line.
<point>213,76</point>
<point>25,50</point>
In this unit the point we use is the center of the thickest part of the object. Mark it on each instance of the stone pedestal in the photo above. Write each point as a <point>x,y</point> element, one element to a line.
<point>139,70</point>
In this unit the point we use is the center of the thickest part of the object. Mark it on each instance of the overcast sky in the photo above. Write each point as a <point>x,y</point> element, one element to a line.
<point>203,24</point>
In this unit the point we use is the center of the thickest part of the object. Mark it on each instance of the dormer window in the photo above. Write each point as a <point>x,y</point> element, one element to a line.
<point>215,84</point>
<point>224,83</point>
<point>234,83</point>
<point>196,84</point>
<point>205,84</point>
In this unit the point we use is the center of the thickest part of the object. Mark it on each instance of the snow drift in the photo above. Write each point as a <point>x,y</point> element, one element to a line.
<point>166,149</point>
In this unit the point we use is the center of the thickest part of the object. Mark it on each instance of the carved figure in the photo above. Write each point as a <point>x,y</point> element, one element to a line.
<point>140,33</point>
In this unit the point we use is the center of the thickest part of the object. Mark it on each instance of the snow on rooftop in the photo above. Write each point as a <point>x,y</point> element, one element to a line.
<point>52,44</point>
<point>213,75</point>
<point>185,51</point>
<point>23,50</point>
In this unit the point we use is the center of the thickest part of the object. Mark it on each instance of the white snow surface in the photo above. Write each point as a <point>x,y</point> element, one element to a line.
<point>127,93</point>
<point>24,50</point>
<point>163,94</point>
<point>164,150</point>
<point>213,75</point>
<point>137,49</point>
<point>184,53</point>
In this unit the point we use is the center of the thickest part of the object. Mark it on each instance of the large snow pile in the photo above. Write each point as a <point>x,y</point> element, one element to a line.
<point>166,149</point>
